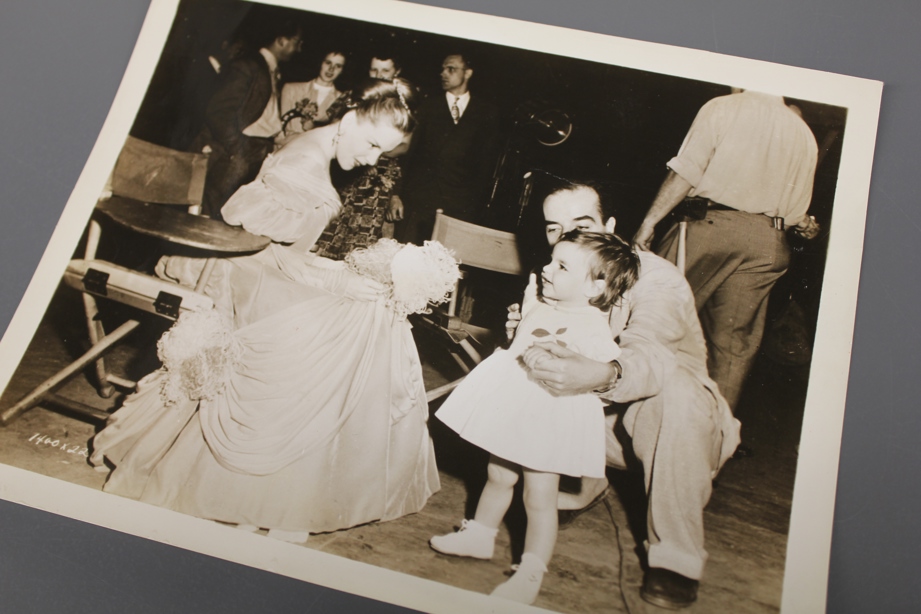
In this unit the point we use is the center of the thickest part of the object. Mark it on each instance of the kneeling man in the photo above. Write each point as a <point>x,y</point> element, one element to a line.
<point>679,426</point>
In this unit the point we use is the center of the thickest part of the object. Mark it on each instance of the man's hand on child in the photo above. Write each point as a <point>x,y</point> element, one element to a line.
<point>562,372</point>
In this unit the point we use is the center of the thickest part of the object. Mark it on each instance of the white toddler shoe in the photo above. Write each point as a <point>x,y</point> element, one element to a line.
<point>473,539</point>
<point>524,586</point>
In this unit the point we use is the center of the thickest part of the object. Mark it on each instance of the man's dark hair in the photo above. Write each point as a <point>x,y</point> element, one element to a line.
<point>465,57</point>
<point>607,208</point>
<point>281,28</point>
<point>387,54</point>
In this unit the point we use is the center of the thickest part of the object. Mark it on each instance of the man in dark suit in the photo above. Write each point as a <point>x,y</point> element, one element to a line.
<point>242,118</point>
<point>203,75</point>
<point>452,156</point>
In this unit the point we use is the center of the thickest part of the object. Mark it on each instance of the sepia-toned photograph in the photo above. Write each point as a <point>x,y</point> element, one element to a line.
<point>451,311</point>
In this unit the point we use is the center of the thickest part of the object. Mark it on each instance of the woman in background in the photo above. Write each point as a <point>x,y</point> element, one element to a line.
<point>304,105</point>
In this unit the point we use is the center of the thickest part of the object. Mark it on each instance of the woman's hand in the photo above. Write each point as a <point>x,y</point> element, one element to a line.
<point>394,212</point>
<point>326,263</point>
<point>562,372</point>
<point>362,288</point>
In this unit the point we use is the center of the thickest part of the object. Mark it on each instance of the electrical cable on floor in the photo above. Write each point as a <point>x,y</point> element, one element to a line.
<point>620,551</point>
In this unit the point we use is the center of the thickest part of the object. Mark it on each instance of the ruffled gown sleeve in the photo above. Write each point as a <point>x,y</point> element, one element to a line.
<point>291,200</point>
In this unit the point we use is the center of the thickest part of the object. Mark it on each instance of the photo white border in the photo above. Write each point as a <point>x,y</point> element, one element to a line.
<point>806,568</point>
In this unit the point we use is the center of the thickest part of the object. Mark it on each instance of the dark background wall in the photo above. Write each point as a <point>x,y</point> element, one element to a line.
<point>626,123</point>
<point>61,63</point>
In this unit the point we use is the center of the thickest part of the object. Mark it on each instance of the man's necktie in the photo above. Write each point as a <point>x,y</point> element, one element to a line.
<point>455,112</point>
<point>276,79</point>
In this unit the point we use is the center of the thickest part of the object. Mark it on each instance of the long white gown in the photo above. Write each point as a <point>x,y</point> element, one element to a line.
<point>322,425</point>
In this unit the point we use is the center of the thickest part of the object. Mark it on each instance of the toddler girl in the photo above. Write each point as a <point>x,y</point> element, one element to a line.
<point>522,425</point>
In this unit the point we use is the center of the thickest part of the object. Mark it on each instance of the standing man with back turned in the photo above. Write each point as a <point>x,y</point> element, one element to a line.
<point>751,159</point>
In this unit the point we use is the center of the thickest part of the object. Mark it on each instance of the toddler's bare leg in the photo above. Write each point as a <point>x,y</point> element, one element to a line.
<point>497,494</point>
<point>540,492</point>
<point>540,498</point>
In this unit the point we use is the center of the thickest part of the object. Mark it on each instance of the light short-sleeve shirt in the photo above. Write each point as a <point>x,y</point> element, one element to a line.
<point>751,152</point>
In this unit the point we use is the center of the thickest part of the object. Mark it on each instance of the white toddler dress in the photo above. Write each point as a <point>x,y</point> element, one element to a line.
<point>500,410</point>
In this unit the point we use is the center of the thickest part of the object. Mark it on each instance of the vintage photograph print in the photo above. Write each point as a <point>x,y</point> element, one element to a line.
<point>455,312</point>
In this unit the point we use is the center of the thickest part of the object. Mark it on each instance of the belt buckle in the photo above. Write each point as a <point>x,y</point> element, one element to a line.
<point>778,223</point>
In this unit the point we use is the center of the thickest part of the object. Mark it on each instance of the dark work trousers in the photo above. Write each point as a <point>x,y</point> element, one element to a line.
<point>733,260</point>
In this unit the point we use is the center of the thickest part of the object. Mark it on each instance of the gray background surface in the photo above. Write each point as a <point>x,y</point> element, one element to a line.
<point>60,65</point>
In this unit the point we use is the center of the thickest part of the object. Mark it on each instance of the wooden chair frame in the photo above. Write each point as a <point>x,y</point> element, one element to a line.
<point>145,179</point>
<point>475,247</point>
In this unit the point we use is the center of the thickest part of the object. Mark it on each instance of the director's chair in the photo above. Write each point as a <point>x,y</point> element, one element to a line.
<point>475,247</point>
<point>157,192</point>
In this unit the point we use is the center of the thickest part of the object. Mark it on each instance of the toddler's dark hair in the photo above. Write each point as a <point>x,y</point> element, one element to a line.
<point>614,261</point>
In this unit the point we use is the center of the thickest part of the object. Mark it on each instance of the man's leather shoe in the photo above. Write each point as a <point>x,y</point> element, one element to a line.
<point>567,517</point>
<point>668,589</point>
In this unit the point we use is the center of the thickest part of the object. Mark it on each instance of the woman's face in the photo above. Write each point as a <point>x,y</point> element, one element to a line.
<point>331,67</point>
<point>361,141</point>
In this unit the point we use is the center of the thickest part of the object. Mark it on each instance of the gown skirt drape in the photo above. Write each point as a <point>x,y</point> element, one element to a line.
<point>321,426</point>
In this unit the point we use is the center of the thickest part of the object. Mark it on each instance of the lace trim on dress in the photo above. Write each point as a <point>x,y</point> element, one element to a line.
<point>198,353</point>
<point>416,276</point>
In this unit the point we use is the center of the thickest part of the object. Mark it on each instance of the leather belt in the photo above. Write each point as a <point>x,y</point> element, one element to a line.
<point>696,208</point>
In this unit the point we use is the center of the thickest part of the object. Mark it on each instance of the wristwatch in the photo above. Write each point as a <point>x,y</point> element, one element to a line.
<point>615,379</point>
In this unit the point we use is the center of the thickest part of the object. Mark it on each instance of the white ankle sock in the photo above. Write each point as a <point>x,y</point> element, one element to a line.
<point>524,586</point>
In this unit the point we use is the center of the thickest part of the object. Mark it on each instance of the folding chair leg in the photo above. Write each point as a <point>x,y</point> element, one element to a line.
<point>121,381</point>
<point>97,332</point>
<point>471,352</point>
<point>437,393</point>
<point>35,397</point>
<point>93,325</point>
<point>205,274</point>
<point>460,361</point>
<point>682,258</point>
